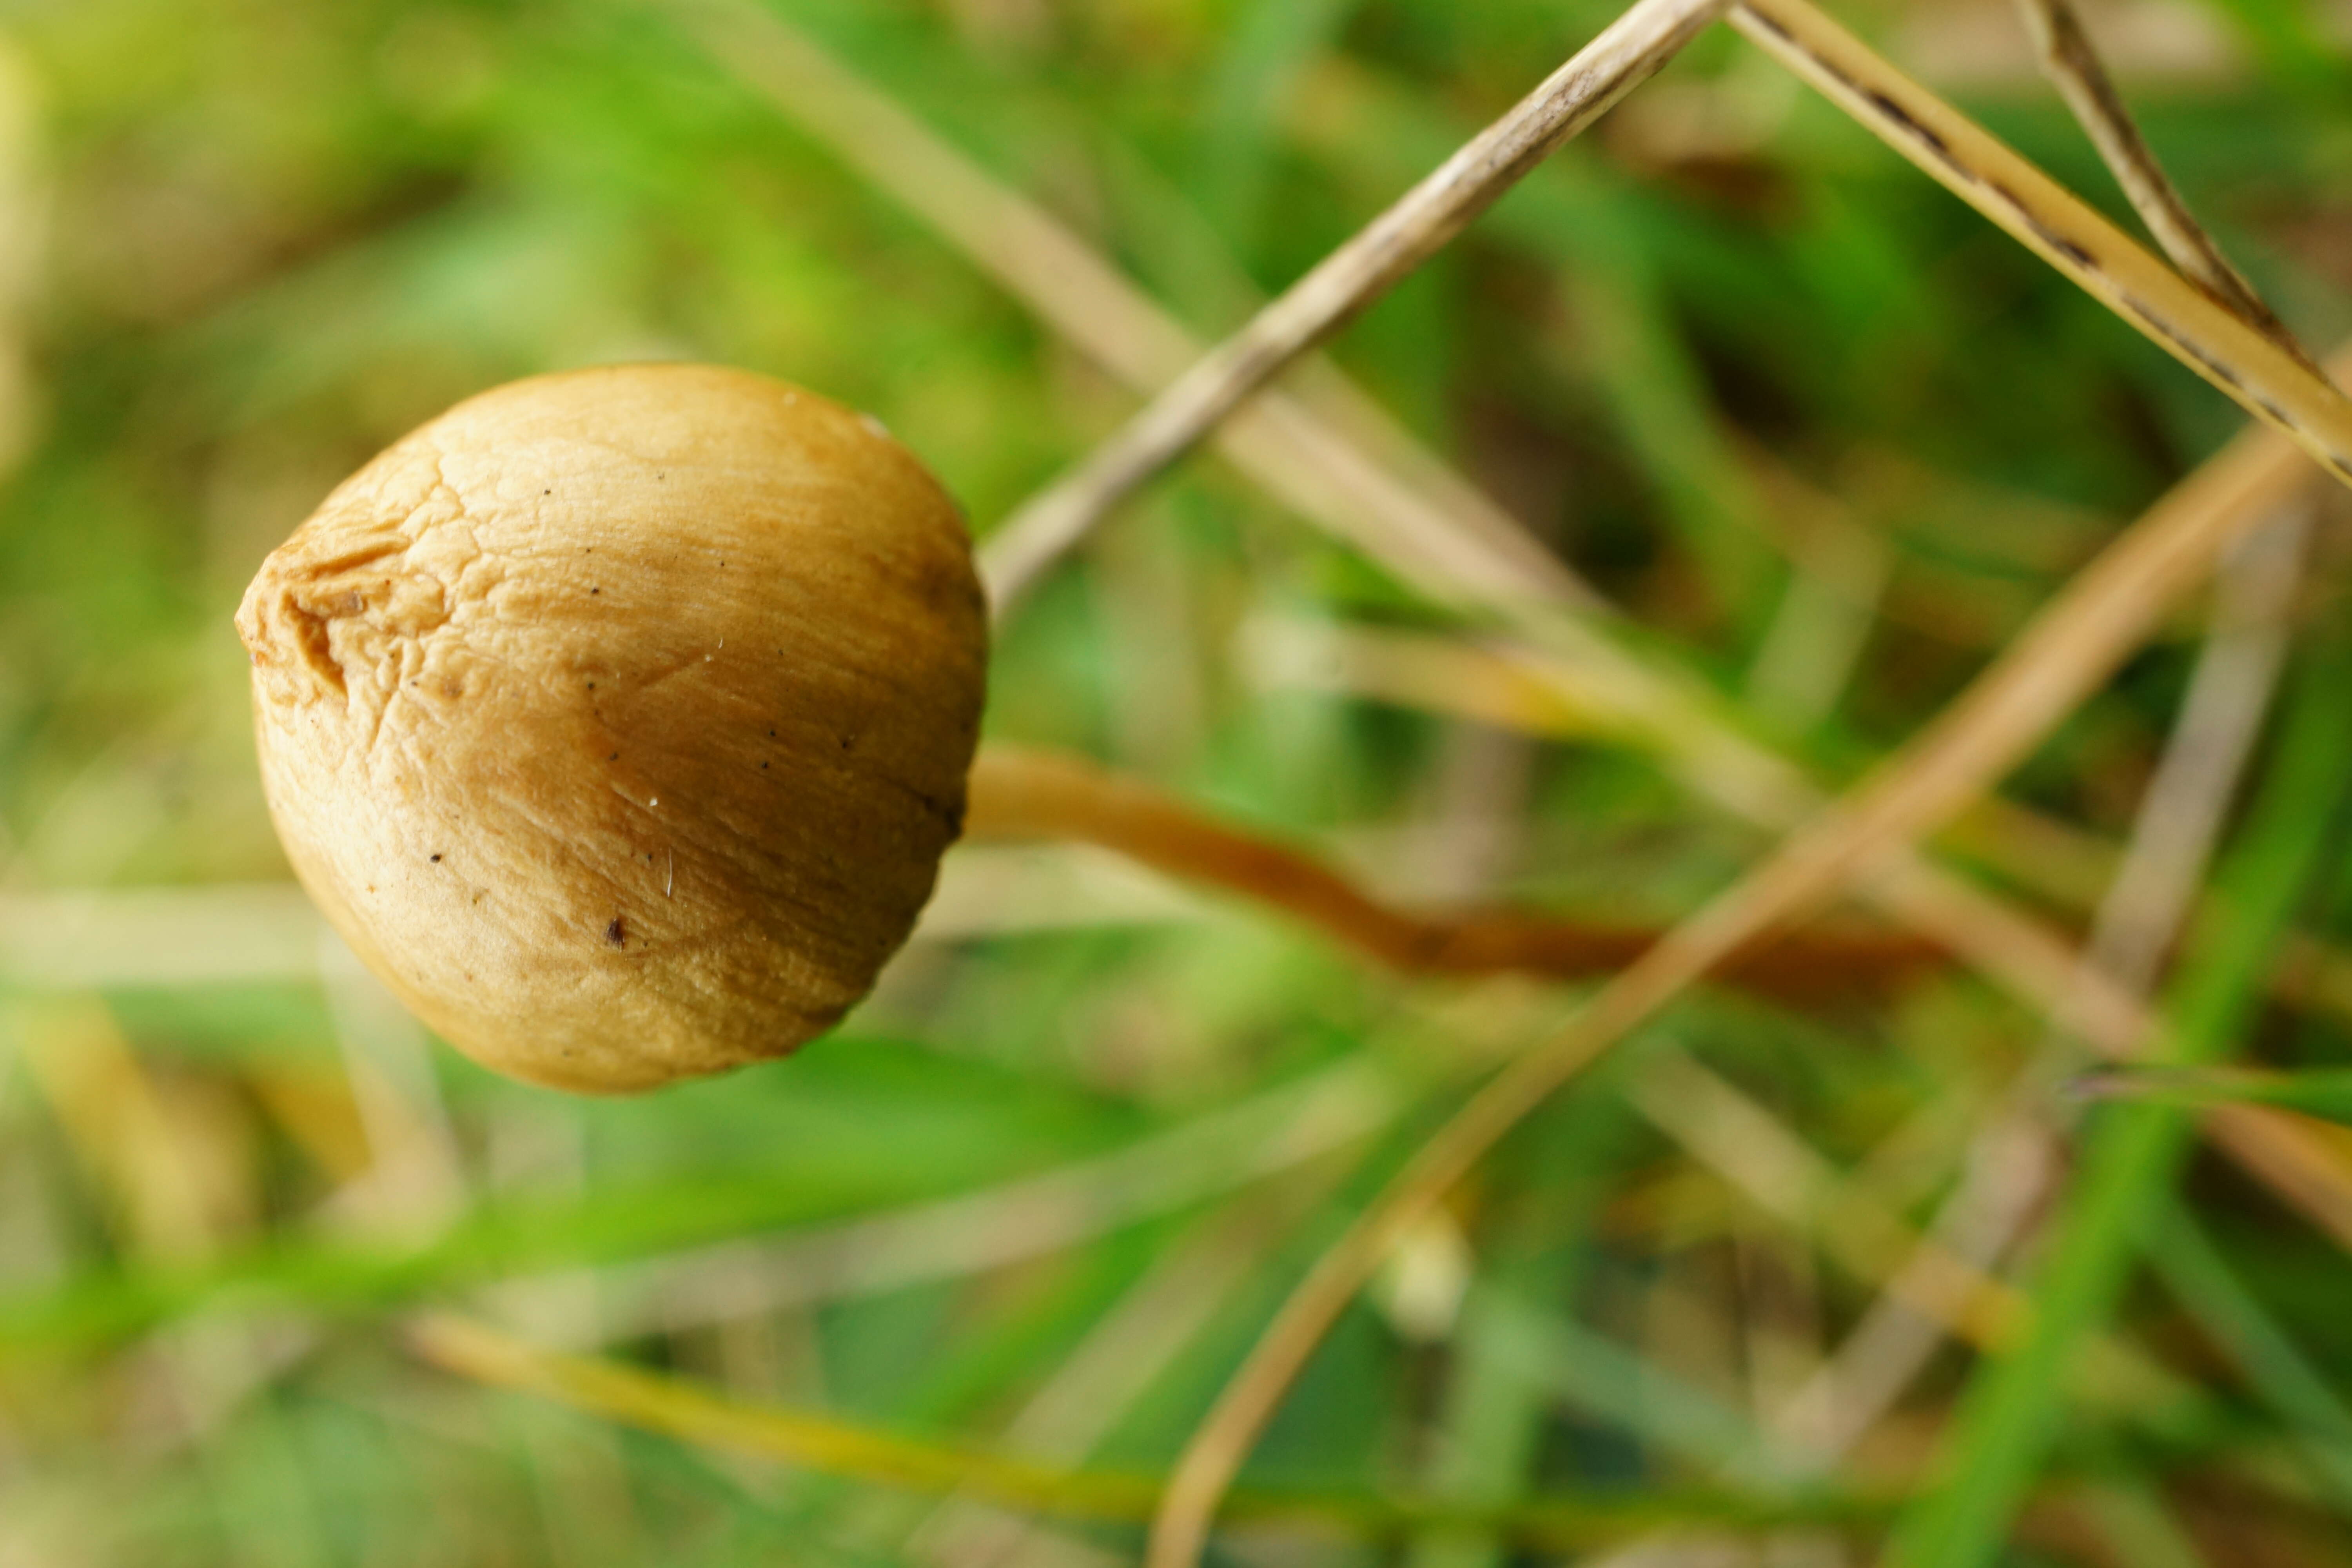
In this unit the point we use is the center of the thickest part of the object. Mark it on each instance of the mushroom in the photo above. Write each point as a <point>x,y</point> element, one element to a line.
<point>618,719</point>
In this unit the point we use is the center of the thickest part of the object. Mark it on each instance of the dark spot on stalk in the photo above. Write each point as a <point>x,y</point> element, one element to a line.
<point>1902,117</point>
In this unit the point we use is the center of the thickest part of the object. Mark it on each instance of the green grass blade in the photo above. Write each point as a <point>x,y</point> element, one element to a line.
<point>2280,1374</point>
<point>2012,1413</point>
<point>1490,1430</point>
<point>2324,1094</point>
<point>681,1410</point>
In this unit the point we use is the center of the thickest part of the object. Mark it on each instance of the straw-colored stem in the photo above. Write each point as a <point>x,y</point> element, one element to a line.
<point>1326,450</point>
<point>2270,382</point>
<point>2073,65</point>
<point>1343,283</point>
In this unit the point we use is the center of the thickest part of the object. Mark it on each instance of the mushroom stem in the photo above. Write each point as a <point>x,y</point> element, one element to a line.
<point>1015,793</point>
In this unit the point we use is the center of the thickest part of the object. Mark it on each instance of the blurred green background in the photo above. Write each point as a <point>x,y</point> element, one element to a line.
<point>1040,1194</point>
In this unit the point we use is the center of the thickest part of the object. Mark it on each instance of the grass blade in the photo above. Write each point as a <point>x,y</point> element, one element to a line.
<point>2326,1095</point>
<point>679,1409</point>
<point>2010,1416</point>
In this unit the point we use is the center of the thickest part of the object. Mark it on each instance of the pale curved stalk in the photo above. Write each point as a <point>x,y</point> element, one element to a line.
<point>1343,283</point>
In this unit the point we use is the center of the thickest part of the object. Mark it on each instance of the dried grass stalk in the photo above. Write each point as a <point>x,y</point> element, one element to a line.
<point>1392,498</point>
<point>2272,382</point>
<point>1361,270</point>
<point>2072,64</point>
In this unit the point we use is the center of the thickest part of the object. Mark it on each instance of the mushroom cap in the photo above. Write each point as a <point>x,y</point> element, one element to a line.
<point>618,719</point>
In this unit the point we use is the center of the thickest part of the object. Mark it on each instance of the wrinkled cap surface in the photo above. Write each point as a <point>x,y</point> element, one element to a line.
<point>619,717</point>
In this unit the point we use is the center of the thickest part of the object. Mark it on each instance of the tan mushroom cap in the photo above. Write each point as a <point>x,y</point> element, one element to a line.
<point>619,719</point>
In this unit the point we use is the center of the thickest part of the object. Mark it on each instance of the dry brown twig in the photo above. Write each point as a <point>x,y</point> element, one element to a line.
<point>1017,792</point>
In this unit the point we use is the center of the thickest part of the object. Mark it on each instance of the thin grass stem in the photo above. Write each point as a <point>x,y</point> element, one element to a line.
<point>2271,383</point>
<point>1420,224</point>
<point>679,1409</point>
<point>2072,62</point>
<point>1401,504</point>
